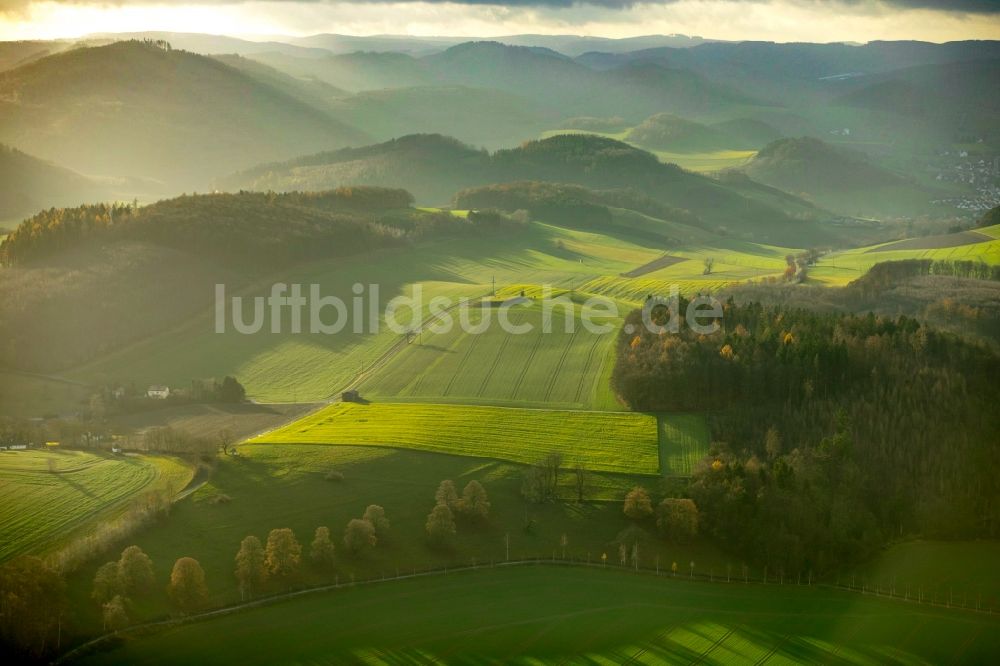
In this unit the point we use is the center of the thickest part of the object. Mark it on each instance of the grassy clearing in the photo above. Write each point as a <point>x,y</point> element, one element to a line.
<point>25,395</point>
<point>45,497</point>
<point>601,441</point>
<point>547,614</point>
<point>560,368</point>
<point>960,572</point>
<point>207,421</point>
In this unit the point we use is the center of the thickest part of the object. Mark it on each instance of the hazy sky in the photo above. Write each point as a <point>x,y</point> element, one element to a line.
<point>777,20</point>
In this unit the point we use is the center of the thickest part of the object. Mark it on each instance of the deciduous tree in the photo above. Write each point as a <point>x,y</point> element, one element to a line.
<point>136,572</point>
<point>187,589</point>
<point>322,550</point>
<point>283,552</point>
<point>440,524</point>
<point>475,502</point>
<point>375,515</point>
<point>638,506</point>
<point>359,536</point>
<point>251,566</point>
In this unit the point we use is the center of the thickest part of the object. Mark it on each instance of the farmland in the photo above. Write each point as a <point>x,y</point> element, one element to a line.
<point>559,614</point>
<point>560,368</point>
<point>600,441</point>
<point>48,496</point>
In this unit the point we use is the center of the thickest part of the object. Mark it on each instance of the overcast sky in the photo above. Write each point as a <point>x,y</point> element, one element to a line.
<point>777,20</point>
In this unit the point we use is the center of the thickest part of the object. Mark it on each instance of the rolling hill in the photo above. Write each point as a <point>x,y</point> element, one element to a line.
<point>28,184</point>
<point>137,109</point>
<point>434,167</point>
<point>833,177</point>
<point>672,133</point>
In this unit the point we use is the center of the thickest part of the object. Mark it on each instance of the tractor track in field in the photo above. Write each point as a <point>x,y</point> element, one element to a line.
<point>586,368</point>
<point>461,364</point>
<point>562,360</point>
<point>527,365</point>
<point>493,366</point>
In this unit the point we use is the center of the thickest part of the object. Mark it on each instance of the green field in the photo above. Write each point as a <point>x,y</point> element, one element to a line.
<point>839,268</point>
<point>529,615</point>
<point>600,441</point>
<point>46,497</point>
<point>269,486</point>
<point>958,573</point>
<point>561,368</point>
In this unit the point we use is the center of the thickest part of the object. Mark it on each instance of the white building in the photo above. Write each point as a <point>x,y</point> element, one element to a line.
<point>158,391</point>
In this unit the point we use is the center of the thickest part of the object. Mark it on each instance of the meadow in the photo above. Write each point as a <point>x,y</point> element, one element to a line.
<point>270,486</point>
<point>566,615</point>
<point>48,497</point>
<point>956,573</point>
<point>621,442</point>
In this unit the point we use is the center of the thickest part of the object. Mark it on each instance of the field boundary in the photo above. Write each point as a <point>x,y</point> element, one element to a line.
<point>692,577</point>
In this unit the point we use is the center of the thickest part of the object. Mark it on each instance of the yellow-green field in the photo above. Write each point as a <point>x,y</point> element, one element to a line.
<point>48,496</point>
<point>839,268</point>
<point>601,441</point>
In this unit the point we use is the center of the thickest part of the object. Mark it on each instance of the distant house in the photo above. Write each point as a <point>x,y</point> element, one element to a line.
<point>116,449</point>
<point>158,391</point>
<point>18,447</point>
<point>118,392</point>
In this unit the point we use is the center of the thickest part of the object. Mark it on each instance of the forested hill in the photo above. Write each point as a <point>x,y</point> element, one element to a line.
<point>247,230</point>
<point>434,167</point>
<point>121,274</point>
<point>825,470</point>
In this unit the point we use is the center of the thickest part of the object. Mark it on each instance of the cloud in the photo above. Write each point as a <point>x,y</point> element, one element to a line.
<point>951,6</point>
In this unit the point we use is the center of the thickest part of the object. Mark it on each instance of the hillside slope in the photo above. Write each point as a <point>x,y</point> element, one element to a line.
<point>136,109</point>
<point>839,179</point>
<point>28,184</point>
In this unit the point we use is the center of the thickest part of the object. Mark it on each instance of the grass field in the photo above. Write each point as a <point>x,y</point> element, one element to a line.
<point>270,486</point>
<point>601,441</point>
<point>529,615</point>
<point>962,573</point>
<point>561,368</point>
<point>287,367</point>
<point>839,268</point>
<point>46,496</point>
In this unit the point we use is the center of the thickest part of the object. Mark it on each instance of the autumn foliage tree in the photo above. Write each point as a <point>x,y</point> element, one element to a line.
<point>637,505</point>
<point>440,524</point>
<point>322,550</point>
<point>677,519</point>
<point>283,552</point>
<point>359,536</point>
<point>187,589</point>
<point>475,503</point>
<point>251,566</point>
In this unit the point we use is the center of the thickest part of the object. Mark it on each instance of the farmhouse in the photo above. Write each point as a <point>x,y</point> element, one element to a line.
<point>158,391</point>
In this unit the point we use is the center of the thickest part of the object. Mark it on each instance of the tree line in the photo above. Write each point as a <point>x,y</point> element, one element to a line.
<point>244,230</point>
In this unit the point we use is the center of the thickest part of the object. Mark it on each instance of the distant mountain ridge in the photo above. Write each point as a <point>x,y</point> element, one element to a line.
<point>135,108</point>
<point>28,184</point>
